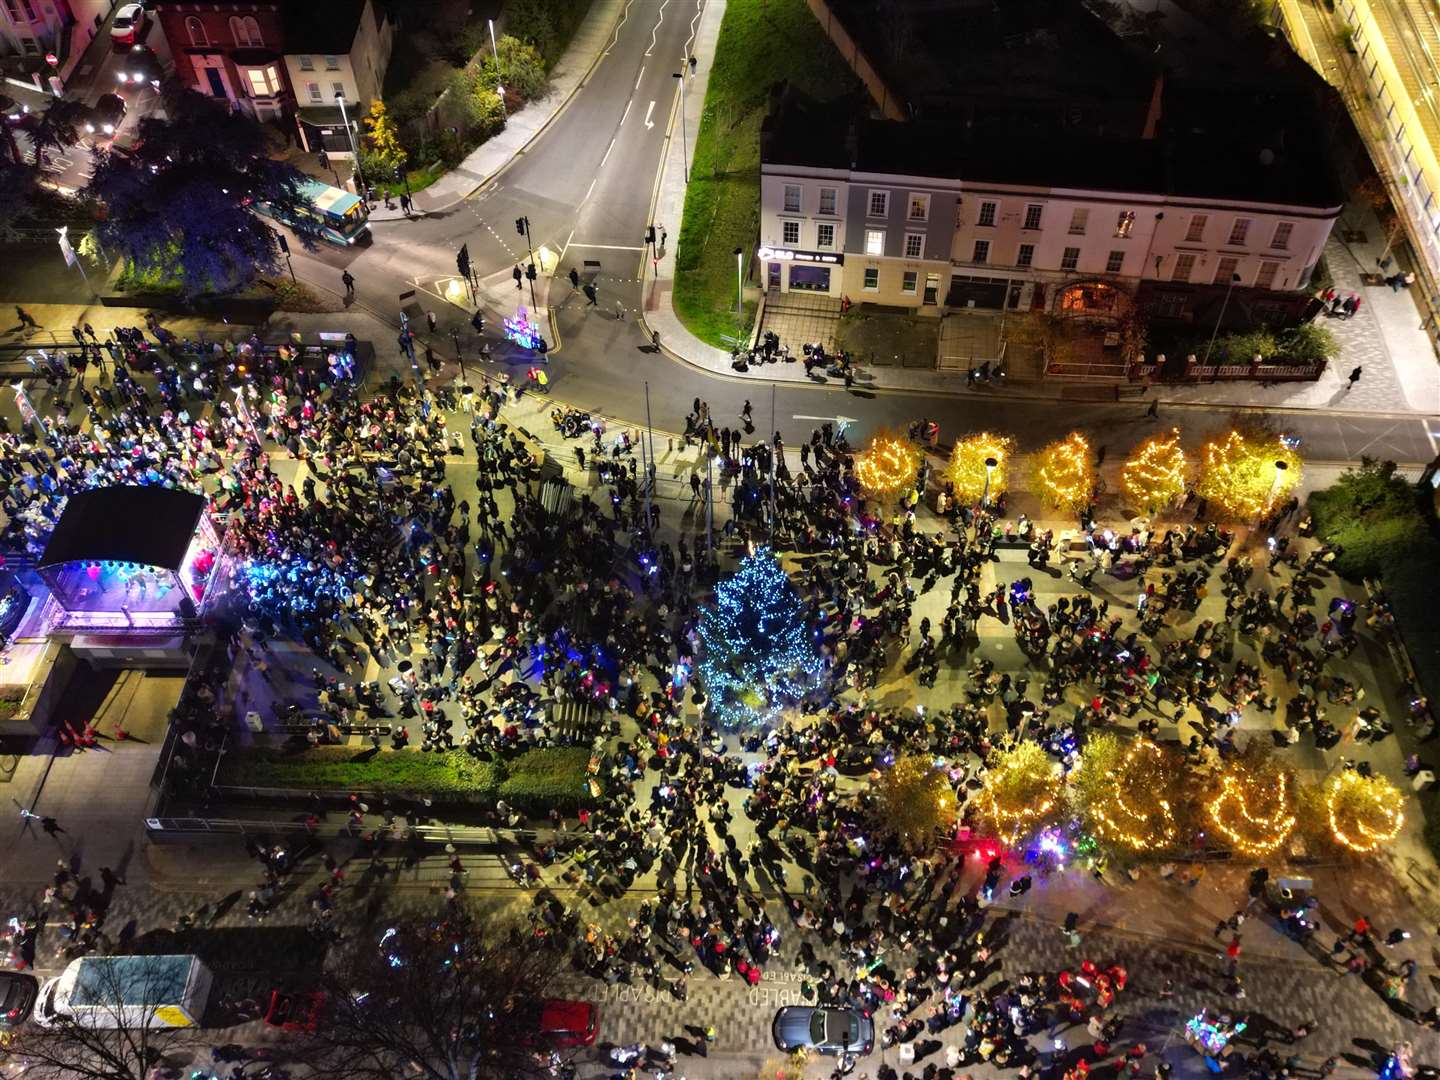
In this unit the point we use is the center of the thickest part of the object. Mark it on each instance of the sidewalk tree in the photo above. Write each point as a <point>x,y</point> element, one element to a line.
<point>382,140</point>
<point>1246,474</point>
<point>57,128</point>
<point>757,649</point>
<point>1154,477</point>
<point>439,1000</point>
<point>1064,474</point>
<point>912,802</point>
<point>189,185</point>
<point>971,478</point>
<point>888,465</point>
<point>128,1047</point>
<point>521,71</point>
<point>1364,812</point>
<point>1129,796</point>
<point>1252,806</point>
<point>1020,792</point>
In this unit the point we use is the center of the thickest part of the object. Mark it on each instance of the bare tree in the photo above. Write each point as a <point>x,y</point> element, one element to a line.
<point>444,1000</point>
<point>121,1030</point>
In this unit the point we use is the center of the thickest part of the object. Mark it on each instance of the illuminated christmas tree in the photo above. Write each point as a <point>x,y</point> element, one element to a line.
<point>1154,477</point>
<point>888,466</point>
<point>1254,809</point>
<point>973,479</point>
<point>758,655</point>
<point>1129,794</point>
<point>1021,790</point>
<point>1246,474</point>
<point>1065,474</point>
<point>1364,811</point>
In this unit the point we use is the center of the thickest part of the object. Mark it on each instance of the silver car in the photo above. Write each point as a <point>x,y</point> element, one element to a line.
<point>823,1030</point>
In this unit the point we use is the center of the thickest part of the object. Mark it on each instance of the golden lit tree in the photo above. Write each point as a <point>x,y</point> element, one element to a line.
<point>1246,474</point>
<point>1154,477</point>
<point>1020,790</point>
<point>914,802</point>
<point>1064,474</point>
<point>967,471</point>
<point>382,139</point>
<point>1253,807</point>
<point>887,466</point>
<point>1129,794</point>
<point>1364,811</point>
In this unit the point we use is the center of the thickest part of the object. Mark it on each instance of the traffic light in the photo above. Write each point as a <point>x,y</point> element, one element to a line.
<point>462,261</point>
<point>650,235</point>
<point>530,271</point>
<point>520,224</point>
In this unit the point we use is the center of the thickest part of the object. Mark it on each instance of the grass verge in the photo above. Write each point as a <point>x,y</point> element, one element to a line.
<point>758,39</point>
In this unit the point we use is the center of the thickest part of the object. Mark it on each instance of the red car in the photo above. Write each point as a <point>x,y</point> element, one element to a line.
<point>562,1024</point>
<point>295,1012</point>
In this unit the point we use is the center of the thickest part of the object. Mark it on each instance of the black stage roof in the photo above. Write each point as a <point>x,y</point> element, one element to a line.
<point>151,526</point>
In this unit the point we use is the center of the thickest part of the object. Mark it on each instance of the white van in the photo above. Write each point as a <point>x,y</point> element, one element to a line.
<point>126,991</point>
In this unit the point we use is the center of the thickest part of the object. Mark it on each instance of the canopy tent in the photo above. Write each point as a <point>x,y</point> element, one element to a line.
<point>144,526</point>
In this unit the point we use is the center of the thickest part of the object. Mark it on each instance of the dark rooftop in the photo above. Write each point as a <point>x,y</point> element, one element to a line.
<point>151,526</point>
<point>326,27</point>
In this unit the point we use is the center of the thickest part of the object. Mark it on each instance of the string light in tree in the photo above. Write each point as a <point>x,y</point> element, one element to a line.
<point>758,652</point>
<point>888,465</point>
<point>1245,475</point>
<point>1138,815</point>
<point>1364,811</point>
<point>1254,810</point>
<point>1065,475</point>
<point>1154,477</point>
<point>970,473</point>
<point>1020,791</point>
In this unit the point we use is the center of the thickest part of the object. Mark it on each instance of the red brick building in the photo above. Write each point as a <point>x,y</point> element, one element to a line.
<point>230,50</point>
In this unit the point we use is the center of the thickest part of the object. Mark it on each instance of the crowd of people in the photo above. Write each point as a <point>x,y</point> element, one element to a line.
<point>487,612</point>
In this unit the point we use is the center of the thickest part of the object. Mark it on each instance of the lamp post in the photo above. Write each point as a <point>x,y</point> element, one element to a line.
<point>990,465</point>
<point>684,157</point>
<point>71,258</point>
<point>499,87</point>
<point>354,146</point>
<point>1214,375</point>
<point>739,291</point>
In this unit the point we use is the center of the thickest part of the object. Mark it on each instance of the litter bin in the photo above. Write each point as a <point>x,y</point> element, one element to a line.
<point>1424,780</point>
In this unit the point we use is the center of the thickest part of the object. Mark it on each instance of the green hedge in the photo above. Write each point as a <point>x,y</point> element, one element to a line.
<point>533,782</point>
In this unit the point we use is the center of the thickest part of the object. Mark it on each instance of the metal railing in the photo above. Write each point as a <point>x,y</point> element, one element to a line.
<point>161,828</point>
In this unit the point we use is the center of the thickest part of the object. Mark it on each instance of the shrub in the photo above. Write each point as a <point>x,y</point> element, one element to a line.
<point>548,25</point>
<point>555,777</point>
<point>1373,515</point>
<point>1243,348</point>
<point>341,768</point>
<point>1308,343</point>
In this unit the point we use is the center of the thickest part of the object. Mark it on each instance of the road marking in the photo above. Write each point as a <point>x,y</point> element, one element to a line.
<point>611,247</point>
<point>624,15</point>
<point>655,32</point>
<point>840,422</point>
<point>1430,434</point>
<point>648,112</point>
<point>592,182</point>
<point>699,10</point>
<point>627,110</point>
<point>639,77</point>
<point>606,158</point>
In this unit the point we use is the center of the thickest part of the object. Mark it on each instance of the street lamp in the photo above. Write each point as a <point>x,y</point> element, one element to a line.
<point>684,157</point>
<point>1280,467</point>
<point>354,146</point>
<point>739,288</point>
<point>990,466</point>
<point>499,88</point>
<point>1214,375</point>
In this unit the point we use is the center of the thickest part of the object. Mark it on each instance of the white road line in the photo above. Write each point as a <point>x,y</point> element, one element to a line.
<point>624,15</point>
<point>606,158</point>
<point>654,34</point>
<point>591,187</point>
<point>699,10</point>
<point>648,112</point>
<point>627,110</point>
<point>639,77</point>
<point>605,247</point>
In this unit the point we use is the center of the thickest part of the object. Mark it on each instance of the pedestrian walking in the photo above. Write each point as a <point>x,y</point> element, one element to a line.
<point>26,319</point>
<point>590,295</point>
<point>348,280</point>
<point>1354,377</point>
<point>518,276</point>
<point>619,311</point>
<point>745,415</point>
<point>405,204</point>
<point>574,279</point>
<point>1153,412</point>
<point>50,825</point>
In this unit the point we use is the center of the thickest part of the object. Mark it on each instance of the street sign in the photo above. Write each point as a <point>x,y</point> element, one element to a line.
<point>67,250</point>
<point>52,59</point>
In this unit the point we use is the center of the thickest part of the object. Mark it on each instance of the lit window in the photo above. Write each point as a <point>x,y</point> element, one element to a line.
<point>1079,218</point>
<point>874,241</point>
<point>1071,259</point>
<point>914,245</point>
<point>919,207</point>
<point>987,214</point>
<point>1124,223</point>
<point>790,233</point>
<point>872,279</point>
<point>263,81</point>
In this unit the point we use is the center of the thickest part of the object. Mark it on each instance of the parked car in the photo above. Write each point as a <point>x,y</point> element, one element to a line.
<point>140,66</point>
<point>823,1030</point>
<point>129,26</point>
<point>105,116</point>
<point>558,1024</point>
<point>295,1012</point>
<point>17,997</point>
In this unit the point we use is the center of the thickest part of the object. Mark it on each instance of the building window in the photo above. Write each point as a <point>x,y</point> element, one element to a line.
<point>1032,215</point>
<point>1239,231</point>
<point>827,200</point>
<point>246,31</point>
<point>1184,263</point>
<point>879,203</point>
<point>1170,306</point>
<point>982,251</point>
<point>307,63</point>
<point>1281,240</point>
<point>987,214</point>
<point>264,82</point>
<point>1079,218</point>
<point>1115,263</point>
<point>872,279</point>
<point>792,198</point>
<point>1026,255</point>
<point>337,90</point>
<point>1266,277</point>
<point>908,282</point>
<point>196,29</point>
<point>332,63</point>
<point>1225,271</point>
<point>1196,230</point>
<point>914,245</point>
<point>825,235</point>
<point>874,241</point>
<point>313,89</point>
<point>790,233</point>
<point>1071,259</point>
<point>30,46</point>
<point>919,207</point>
<point>1124,224</point>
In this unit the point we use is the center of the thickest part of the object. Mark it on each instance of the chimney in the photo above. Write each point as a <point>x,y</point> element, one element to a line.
<point>1152,117</point>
